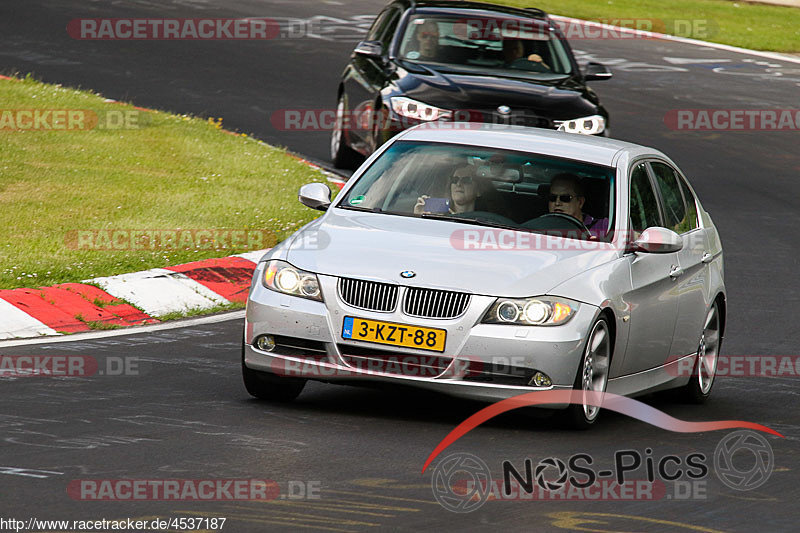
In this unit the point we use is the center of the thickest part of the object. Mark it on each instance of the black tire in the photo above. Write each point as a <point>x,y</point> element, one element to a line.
<point>599,346</point>
<point>341,154</point>
<point>267,386</point>
<point>699,387</point>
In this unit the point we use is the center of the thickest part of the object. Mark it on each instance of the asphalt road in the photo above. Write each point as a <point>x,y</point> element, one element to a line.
<point>185,415</point>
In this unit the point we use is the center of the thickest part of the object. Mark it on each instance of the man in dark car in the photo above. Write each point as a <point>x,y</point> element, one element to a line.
<point>428,38</point>
<point>515,56</point>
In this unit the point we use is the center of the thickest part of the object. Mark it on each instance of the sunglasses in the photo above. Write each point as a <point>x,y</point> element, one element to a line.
<point>565,198</point>
<point>428,35</point>
<point>466,180</point>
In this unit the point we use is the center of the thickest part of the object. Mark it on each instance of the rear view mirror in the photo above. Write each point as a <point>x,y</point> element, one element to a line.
<point>596,71</point>
<point>657,240</point>
<point>505,173</point>
<point>316,196</point>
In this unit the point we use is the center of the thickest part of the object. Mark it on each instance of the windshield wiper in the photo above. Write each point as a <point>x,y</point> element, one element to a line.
<point>473,221</point>
<point>359,208</point>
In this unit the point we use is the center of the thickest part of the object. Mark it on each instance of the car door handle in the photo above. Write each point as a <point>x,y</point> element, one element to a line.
<point>675,272</point>
<point>707,258</point>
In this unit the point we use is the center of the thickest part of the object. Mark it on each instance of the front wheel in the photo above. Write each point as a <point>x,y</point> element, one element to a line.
<point>266,386</point>
<point>705,368</point>
<point>592,375</point>
<point>341,154</point>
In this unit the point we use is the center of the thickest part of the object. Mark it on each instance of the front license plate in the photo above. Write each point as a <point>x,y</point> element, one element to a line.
<point>361,329</point>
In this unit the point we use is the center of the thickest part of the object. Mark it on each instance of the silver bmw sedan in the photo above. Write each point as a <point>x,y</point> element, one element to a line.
<point>487,261</point>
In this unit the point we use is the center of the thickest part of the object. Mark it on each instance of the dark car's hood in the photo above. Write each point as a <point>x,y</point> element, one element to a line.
<point>550,97</point>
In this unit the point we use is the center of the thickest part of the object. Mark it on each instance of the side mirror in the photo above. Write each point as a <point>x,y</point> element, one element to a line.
<point>657,241</point>
<point>371,49</point>
<point>596,71</point>
<point>316,196</point>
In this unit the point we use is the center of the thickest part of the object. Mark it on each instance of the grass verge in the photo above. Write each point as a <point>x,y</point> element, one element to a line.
<point>78,204</point>
<point>755,26</point>
<point>232,306</point>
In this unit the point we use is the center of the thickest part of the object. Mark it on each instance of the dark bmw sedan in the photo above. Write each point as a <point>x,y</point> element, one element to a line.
<point>436,60</point>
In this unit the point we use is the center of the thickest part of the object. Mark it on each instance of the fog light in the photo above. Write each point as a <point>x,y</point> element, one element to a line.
<point>540,379</point>
<point>265,343</point>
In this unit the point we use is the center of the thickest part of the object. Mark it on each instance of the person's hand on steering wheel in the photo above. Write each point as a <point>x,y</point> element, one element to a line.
<point>536,58</point>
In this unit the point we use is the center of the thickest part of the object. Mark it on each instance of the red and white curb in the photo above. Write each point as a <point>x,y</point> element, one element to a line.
<point>76,307</point>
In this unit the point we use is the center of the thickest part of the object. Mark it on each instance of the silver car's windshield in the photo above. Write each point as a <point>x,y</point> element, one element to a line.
<point>510,46</point>
<point>487,186</point>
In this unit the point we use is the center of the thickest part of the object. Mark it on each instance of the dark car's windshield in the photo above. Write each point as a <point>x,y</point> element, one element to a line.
<point>506,46</point>
<point>487,186</point>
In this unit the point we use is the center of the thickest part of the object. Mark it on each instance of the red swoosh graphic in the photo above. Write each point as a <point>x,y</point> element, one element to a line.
<point>612,402</point>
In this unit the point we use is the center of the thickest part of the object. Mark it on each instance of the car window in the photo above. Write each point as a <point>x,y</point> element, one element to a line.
<point>643,204</point>
<point>690,221</point>
<point>390,28</point>
<point>379,26</point>
<point>486,185</point>
<point>511,46</point>
<point>671,197</point>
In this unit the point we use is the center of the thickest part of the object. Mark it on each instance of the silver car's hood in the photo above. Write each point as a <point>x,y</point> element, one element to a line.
<point>379,247</point>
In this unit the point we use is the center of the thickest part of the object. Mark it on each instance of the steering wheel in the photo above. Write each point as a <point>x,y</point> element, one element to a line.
<point>523,63</point>
<point>541,223</point>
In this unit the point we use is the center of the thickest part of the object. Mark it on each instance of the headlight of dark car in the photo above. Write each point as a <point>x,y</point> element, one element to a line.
<point>406,107</point>
<point>280,276</point>
<point>538,311</point>
<point>591,125</point>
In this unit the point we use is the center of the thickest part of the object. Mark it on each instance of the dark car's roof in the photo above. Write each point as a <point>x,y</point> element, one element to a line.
<point>459,6</point>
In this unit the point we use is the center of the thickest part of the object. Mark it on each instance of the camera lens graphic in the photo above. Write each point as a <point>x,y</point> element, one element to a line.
<point>461,482</point>
<point>744,460</point>
<point>553,484</point>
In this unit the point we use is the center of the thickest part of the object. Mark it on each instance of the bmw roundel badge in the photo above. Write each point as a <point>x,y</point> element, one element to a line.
<point>407,274</point>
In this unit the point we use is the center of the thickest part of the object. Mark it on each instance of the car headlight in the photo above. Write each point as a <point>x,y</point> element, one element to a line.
<point>539,311</point>
<point>406,107</point>
<point>592,125</point>
<point>282,277</point>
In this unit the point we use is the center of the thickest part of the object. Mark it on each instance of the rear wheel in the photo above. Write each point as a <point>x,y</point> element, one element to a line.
<point>267,386</point>
<point>342,155</point>
<point>592,375</point>
<point>705,368</point>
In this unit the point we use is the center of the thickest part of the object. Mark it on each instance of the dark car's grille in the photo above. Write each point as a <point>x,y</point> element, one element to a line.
<point>432,303</point>
<point>369,295</point>
<point>517,117</point>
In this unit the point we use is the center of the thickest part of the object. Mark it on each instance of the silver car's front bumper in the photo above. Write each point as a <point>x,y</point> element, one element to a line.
<point>555,351</point>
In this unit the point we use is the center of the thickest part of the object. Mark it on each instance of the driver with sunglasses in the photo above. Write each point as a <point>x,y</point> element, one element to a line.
<point>463,192</point>
<point>567,197</point>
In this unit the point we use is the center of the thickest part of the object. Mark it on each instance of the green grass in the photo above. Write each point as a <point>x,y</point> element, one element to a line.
<point>760,27</point>
<point>103,326</point>
<point>172,173</point>
<point>232,306</point>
